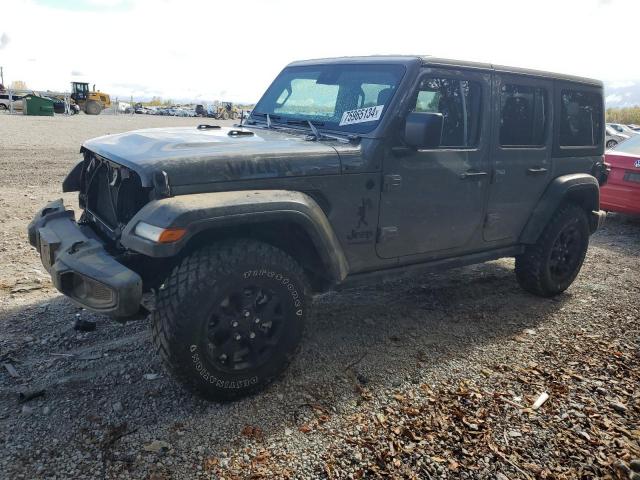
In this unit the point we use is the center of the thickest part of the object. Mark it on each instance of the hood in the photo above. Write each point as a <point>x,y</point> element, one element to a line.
<point>190,156</point>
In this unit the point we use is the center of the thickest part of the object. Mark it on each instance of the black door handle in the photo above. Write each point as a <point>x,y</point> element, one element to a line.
<point>536,170</point>
<point>472,174</point>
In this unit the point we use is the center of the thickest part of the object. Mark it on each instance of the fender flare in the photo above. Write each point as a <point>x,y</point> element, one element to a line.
<point>204,211</point>
<point>579,187</point>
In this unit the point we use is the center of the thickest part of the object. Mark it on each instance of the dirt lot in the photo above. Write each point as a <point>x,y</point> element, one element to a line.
<point>432,377</point>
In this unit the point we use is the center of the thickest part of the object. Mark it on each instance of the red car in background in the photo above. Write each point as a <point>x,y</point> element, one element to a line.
<point>621,193</point>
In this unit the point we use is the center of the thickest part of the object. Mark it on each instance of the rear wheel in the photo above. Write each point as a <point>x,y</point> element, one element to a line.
<point>611,143</point>
<point>92,108</point>
<point>230,317</point>
<point>549,266</point>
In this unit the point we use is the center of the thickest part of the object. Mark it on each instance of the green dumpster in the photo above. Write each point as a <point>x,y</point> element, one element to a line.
<point>34,104</point>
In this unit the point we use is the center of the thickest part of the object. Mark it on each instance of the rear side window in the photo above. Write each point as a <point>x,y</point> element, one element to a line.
<point>580,119</point>
<point>523,116</point>
<point>459,103</point>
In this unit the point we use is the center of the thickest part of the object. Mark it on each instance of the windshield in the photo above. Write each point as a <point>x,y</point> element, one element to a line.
<point>350,98</point>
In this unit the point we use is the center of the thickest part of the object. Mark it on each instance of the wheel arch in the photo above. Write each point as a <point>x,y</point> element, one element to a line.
<point>580,188</point>
<point>284,233</point>
<point>289,220</point>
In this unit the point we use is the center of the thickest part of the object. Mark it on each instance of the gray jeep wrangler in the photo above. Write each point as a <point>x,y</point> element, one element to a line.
<point>347,170</point>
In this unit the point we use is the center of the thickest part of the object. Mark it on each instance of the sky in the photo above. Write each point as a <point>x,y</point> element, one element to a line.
<point>225,50</point>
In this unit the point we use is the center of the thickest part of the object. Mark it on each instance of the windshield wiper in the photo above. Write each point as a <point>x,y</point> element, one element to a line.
<point>314,130</point>
<point>318,135</point>
<point>306,122</point>
<point>312,124</point>
<point>268,117</point>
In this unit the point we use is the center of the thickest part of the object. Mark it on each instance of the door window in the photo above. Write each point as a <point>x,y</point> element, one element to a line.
<point>523,116</point>
<point>580,119</point>
<point>459,103</point>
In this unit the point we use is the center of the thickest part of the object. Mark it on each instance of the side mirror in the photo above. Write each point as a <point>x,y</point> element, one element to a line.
<point>423,129</point>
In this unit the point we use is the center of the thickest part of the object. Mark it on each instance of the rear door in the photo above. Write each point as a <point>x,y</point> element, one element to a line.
<point>521,153</point>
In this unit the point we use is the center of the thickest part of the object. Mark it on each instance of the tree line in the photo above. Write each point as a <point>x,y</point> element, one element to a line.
<point>625,115</point>
<point>158,102</point>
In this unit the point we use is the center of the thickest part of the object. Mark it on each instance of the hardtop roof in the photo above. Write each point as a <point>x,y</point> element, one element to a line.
<point>427,60</point>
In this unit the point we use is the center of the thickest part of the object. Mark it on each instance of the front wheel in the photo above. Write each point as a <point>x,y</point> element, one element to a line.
<point>549,266</point>
<point>611,143</point>
<point>230,317</point>
<point>92,108</point>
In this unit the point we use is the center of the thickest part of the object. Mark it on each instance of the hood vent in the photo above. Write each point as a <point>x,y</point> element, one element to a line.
<point>205,126</point>
<point>240,133</point>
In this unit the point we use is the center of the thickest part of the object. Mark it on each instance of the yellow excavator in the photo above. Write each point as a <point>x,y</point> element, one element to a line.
<point>90,102</point>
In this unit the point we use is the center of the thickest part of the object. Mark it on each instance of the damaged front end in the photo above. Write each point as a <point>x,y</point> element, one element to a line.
<point>110,194</point>
<point>84,258</point>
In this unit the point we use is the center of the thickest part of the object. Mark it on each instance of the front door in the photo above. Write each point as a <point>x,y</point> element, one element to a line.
<point>521,154</point>
<point>432,200</point>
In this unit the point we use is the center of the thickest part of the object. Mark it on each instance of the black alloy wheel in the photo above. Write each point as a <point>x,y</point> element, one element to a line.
<point>244,328</point>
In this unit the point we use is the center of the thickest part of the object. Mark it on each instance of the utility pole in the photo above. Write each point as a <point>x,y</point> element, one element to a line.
<point>1,76</point>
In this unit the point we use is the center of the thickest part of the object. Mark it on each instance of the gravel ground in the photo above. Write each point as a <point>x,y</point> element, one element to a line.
<point>430,377</point>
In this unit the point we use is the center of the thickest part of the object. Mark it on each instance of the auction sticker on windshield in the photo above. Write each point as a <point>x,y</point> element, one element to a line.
<point>361,115</point>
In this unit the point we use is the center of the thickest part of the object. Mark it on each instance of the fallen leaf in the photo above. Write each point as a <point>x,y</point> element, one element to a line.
<point>305,428</point>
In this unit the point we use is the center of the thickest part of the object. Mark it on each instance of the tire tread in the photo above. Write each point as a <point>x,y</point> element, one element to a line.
<point>531,264</point>
<point>198,271</point>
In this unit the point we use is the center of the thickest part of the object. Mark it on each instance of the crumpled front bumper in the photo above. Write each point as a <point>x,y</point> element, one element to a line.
<point>80,266</point>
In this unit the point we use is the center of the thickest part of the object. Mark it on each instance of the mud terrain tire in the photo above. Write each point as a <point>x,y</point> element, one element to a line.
<point>230,317</point>
<point>549,266</point>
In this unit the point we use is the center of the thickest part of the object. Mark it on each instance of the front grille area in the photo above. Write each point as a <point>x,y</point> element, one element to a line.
<point>100,199</point>
<point>113,193</point>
